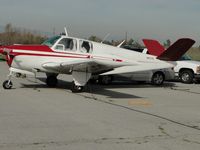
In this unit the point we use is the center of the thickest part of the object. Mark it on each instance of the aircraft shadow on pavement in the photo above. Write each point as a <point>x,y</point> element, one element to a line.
<point>105,90</point>
<point>42,84</point>
<point>102,90</point>
<point>137,85</point>
<point>90,88</point>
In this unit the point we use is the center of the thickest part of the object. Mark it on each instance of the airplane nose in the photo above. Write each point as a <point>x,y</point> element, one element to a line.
<point>1,50</point>
<point>4,50</point>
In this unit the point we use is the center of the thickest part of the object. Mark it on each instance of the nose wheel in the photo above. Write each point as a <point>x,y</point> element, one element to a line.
<point>7,84</point>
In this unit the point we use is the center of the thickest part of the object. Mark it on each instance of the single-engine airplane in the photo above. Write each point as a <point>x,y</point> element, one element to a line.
<point>77,57</point>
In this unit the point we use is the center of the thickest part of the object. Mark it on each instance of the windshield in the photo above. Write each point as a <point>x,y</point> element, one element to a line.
<point>51,41</point>
<point>185,57</point>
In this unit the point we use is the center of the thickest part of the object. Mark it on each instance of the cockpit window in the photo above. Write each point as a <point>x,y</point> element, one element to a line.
<point>85,46</point>
<point>66,44</point>
<point>185,57</point>
<point>51,41</point>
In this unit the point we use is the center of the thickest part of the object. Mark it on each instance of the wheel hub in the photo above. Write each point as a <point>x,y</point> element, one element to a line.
<point>185,77</point>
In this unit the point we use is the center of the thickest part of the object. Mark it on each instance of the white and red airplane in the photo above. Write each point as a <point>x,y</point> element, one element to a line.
<point>77,57</point>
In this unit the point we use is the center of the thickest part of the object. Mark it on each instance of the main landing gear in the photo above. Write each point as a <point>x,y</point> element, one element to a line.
<point>52,80</point>
<point>80,79</point>
<point>76,88</point>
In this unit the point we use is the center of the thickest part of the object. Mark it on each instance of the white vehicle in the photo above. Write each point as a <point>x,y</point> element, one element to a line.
<point>155,77</point>
<point>186,69</point>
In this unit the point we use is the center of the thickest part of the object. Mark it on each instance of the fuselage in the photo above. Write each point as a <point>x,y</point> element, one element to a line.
<point>59,49</point>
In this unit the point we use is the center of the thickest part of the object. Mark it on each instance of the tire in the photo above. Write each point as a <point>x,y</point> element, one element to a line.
<point>7,84</point>
<point>51,81</point>
<point>157,78</point>
<point>76,88</point>
<point>93,81</point>
<point>141,82</point>
<point>186,76</point>
<point>105,80</point>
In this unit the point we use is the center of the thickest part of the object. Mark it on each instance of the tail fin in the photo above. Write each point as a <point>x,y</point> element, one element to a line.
<point>154,47</point>
<point>173,53</point>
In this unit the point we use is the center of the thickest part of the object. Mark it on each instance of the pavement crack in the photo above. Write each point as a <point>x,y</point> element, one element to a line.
<point>92,97</point>
<point>104,140</point>
<point>183,90</point>
<point>186,138</point>
<point>191,141</point>
<point>163,130</point>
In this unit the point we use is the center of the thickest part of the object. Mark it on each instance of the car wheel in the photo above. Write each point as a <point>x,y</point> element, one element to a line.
<point>157,78</point>
<point>187,76</point>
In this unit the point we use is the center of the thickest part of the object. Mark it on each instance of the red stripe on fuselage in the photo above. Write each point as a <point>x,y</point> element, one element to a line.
<point>42,48</point>
<point>38,48</point>
<point>47,55</point>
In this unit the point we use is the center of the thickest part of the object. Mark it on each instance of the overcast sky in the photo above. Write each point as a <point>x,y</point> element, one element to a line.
<point>158,19</point>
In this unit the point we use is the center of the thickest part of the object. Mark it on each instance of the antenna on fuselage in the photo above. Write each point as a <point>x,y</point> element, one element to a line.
<point>105,37</point>
<point>121,43</point>
<point>66,33</point>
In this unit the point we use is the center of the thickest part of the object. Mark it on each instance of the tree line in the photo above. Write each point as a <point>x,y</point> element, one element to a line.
<point>130,42</point>
<point>12,35</point>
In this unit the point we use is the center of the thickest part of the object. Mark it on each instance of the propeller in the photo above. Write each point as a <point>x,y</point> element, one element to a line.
<point>6,53</point>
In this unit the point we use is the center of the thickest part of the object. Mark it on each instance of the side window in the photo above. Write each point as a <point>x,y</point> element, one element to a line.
<point>66,44</point>
<point>85,46</point>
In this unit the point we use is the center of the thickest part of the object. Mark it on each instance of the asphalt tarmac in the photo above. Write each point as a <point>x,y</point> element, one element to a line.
<point>119,116</point>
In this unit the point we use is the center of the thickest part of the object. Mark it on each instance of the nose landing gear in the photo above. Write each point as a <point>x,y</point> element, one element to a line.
<point>7,84</point>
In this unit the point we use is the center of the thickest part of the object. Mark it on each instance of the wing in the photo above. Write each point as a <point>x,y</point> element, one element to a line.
<point>96,66</point>
<point>81,65</point>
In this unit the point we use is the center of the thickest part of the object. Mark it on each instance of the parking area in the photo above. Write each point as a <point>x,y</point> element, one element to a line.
<point>118,116</point>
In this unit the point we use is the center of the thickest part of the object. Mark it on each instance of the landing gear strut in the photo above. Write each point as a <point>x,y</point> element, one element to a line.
<point>76,88</point>
<point>80,79</point>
